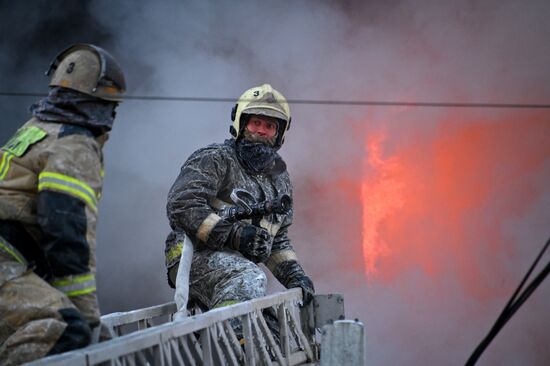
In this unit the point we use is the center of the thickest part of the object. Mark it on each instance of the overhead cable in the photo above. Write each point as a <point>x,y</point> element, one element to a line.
<point>378,103</point>
<point>516,301</point>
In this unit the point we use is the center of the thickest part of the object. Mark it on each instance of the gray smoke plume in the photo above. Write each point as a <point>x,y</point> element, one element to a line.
<point>494,51</point>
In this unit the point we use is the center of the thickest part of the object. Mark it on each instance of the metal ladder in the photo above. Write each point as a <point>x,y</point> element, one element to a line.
<point>209,338</point>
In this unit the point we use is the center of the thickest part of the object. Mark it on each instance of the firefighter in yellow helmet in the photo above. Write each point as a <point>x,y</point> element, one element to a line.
<point>51,174</point>
<point>224,268</point>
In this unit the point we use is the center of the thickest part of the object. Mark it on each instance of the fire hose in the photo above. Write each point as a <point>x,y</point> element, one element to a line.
<point>245,207</point>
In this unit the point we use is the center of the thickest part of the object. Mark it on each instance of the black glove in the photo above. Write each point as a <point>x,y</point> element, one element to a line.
<point>305,283</point>
<point>292,275</point>
<point>252,241</point>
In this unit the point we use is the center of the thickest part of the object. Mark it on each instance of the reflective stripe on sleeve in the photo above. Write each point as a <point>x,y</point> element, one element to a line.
<point>272,228</point>
<point>5,164</point>
<point>65,184</point>
<point>206,227</point>
<point>174,252</point>
<point>75,285</point>
<point>279,257</point>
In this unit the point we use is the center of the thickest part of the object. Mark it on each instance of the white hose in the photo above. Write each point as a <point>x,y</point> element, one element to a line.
<point>182,279</point>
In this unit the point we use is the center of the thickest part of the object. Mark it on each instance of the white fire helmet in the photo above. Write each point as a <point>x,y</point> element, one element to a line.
<point>265,101</point>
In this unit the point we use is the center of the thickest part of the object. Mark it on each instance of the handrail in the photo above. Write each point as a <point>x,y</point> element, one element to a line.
<point>206,338</point>
<point>124,318</point>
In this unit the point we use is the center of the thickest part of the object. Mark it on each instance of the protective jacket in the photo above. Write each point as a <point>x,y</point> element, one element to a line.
<point>50,183</point>
<point>203,188</point>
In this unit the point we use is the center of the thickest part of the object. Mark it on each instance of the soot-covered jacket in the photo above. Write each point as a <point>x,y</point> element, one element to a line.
<point>51,177</point>
<point>203,187</point>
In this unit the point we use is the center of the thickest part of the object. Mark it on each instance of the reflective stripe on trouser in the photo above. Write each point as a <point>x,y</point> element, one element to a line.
<point>11,251</point>
<point>68,185</point>
<point>75,285</point>
<point>30,322</point>
<point>81,289</point>
<point>219,277</point>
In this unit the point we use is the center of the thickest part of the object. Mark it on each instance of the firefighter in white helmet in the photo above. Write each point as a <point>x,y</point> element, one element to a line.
<point>51,175</point>
<point>224,268</point>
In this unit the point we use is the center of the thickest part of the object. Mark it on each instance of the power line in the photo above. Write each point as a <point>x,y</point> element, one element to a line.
<point>379,103</point>
<point>516,301</point>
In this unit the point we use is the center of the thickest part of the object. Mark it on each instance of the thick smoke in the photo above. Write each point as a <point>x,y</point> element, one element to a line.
<point>453,257</point>
<point>31,35</point>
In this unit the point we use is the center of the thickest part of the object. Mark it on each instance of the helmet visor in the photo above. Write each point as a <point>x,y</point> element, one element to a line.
<point>266,111</point>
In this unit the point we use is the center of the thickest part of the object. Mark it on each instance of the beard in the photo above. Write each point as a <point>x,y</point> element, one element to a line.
<point>257,157</point>
<point>252,137</point>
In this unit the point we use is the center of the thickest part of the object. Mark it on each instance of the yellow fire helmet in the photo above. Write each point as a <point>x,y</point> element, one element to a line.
<point>90,70</point>
<point>261,100</point>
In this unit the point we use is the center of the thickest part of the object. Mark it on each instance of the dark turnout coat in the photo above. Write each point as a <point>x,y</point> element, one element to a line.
<point>203,187</point>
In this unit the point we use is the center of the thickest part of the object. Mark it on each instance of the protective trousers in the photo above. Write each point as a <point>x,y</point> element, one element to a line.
<point>224,277</point>
<point>35,318</point>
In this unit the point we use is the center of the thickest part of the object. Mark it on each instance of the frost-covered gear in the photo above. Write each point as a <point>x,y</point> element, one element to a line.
<point>265,101</point>
<point>90,70</point>
<point>50,182</point>
<point>73,107</point>
<point>220,275</point>
<point>251,241</point>
<point>296,278</point>
<point>257,157</point>
<point>221,278</point>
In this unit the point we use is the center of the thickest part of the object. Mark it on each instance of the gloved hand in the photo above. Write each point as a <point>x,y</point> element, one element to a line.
<point>304,282</point>
<point>252,241</point>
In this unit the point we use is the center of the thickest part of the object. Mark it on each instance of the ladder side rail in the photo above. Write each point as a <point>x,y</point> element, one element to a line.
<point>137,342</point>
<point>153,337</point>
<point>105,351</point>
<point>143,317</point>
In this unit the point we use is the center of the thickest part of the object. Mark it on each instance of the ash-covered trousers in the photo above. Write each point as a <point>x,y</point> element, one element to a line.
<point>220,278</point>
<point>35,318</point>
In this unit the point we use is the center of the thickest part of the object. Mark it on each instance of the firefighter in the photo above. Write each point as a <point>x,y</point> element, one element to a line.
<point>224,268</point>
<point>51,174</point>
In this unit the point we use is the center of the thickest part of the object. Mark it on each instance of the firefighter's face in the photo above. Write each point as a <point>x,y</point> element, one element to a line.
<point>262,126</point>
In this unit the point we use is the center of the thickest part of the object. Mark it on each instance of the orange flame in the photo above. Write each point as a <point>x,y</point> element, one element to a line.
<point>442,203</point>
<point>381,196</point>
